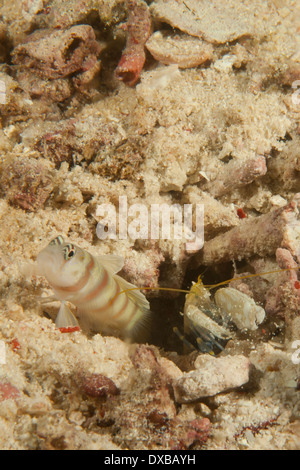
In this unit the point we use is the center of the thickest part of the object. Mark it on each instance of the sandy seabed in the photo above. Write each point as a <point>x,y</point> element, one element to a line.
<point>192,102</point>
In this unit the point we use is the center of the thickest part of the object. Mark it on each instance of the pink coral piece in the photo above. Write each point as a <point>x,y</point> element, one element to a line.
<point>131,65</point>
<point>138,27</point>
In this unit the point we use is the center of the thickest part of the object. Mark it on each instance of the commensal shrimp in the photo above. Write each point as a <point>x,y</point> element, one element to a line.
<point>90,283</point>
<point>208,321</point>
<point>106,302</point>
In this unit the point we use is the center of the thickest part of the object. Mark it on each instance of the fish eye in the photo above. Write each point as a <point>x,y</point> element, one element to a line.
<point>69,251</point>
<point>57,241</point>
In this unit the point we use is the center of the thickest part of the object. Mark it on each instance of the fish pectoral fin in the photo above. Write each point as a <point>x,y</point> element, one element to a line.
<point>113,263</point>
<point>65,317</point>
<point>135,295</point>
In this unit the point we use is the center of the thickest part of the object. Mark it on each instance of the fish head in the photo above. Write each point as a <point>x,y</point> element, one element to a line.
<point>61,263</point>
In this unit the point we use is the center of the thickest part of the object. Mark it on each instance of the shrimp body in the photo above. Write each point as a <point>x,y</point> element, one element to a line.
<point>204,320</point>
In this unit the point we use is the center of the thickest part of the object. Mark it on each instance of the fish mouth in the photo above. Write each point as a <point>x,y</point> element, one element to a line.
<point>48,265</point>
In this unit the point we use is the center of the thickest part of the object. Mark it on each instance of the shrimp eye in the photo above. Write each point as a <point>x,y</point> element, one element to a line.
<point>69,251</point>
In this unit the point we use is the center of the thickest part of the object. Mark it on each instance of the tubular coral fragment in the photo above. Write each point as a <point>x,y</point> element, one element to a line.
<point>138,27</point>
<point>236,174</point>
<point>250,236</point>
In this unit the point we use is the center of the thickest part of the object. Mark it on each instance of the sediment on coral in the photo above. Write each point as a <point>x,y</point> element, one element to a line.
<point>256,236</point>
<point>26,183</point>
<point>220,23</point>
<point>182,50</point>
<point>57,54</point>
<point>138,29</point>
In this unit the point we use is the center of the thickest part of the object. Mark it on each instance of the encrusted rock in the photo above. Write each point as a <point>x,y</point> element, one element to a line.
<point>98,385</point>
<point>291,75</point>
<point>138,27</point>
<point>236,174</point>
<point>20,17</point>
<point>8,391</point>
<point>216,21</point>
<point>111,11</point>
<point>212,376</point>
<point>280,227</point>
<point>181,49</point>
<point>63,14</point>
<point>283,298</point>
<point>85,138</point>
<point>27,182</point>
<point>56,90</point>
<point>59,53</point>
<point>14,102</point>
<point>284,168</point>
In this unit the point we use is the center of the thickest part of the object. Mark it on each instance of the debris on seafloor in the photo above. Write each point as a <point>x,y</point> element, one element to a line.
<point>235,174</point>
<point>60,53</point>
<point>138,28</point>
<point>283,298</point>
<point>64,14</point>
<point>180,49</point>
<point>211,376</point>
<point>215,21</point>
<point>155,405</point>
<point>27,182</point>
<point>260,235</point>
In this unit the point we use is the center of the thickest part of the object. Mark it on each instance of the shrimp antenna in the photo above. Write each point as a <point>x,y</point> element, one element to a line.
<point>207,286</point>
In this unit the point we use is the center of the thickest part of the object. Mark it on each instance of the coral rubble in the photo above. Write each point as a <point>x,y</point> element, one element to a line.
<point>164,104</point>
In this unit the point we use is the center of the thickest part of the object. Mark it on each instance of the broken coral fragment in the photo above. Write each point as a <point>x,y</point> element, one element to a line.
<point>27,182</point>
<point>260,235</point>
<point>284,168</point>
<point>59,53</point>
<point>243,310</point>
<point>138,27</point>
<point>216,21</point>
<point>212,375</point>
<point>86,137</point>
<point>111,12</point>
<point>283,298</point>
<point>14,102</point>
<point>98,385</point>
<point>180,49</point>
<point>236,174</point>
<point>55,90</point>
<point>64,14</point>
<point>20,17</point>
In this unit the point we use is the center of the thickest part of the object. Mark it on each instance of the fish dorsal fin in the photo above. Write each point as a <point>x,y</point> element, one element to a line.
<point>113,263</point>
<point>135,295</point>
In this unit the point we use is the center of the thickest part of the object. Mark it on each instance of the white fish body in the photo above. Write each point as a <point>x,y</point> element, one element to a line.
<point>92,285</point>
